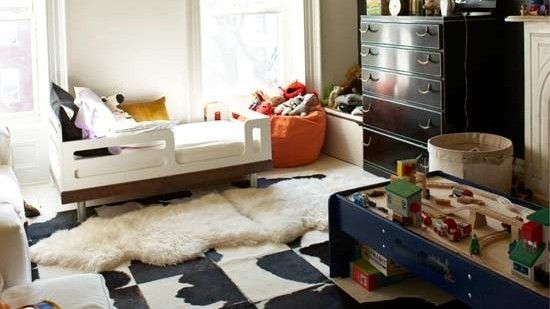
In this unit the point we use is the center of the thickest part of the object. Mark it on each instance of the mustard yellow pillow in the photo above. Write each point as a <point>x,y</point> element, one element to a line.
<point>147,111</point>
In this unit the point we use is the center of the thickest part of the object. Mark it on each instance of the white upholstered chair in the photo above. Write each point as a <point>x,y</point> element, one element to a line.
<point>16,286</point>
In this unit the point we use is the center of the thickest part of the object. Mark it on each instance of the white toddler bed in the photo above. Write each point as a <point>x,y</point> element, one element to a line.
<point>161,161</point>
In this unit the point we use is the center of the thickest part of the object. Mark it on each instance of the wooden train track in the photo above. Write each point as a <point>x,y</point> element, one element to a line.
<point>488,239</point>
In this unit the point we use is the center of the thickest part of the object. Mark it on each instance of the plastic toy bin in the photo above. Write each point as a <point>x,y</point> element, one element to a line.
<point>482,158</point>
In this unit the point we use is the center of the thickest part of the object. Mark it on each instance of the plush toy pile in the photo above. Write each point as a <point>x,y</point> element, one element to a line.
<point>293,100</point>
<point>347,97</point>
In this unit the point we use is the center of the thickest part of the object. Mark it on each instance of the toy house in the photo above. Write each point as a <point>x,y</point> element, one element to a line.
<point>405,200</point>
<point>530,255</point>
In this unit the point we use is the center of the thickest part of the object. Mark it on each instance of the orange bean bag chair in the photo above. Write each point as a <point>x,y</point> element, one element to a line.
<point>298,140</point>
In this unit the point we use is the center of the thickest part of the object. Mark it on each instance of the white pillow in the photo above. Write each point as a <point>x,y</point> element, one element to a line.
<point>94,118</point>
<point>5,145</point>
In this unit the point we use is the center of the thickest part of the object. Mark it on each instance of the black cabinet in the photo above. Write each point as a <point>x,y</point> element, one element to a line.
<point>425,76</point>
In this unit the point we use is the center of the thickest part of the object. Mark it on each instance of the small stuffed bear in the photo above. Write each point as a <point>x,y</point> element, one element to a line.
<point>276,101</point>
<point>113,102</point>
<point>431,7</point>
<point>309,101</point>
<point>353,83</point>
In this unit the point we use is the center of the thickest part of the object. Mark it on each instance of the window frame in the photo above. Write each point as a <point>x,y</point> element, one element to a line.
<point>31,17</point>
<point>287,74</point>
<point>312,50</point>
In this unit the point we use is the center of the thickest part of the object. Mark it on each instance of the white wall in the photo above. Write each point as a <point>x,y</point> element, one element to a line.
<point>134,47</point>
<point>339,39</point>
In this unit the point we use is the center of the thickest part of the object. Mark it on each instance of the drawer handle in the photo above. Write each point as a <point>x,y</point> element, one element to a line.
<point>369,142</point>
<point>370,78</point>
<point>369,29</point>
<point>369,53</point>
<point>425,62</point>
<point>425,33</point>
<point>427,126</point>
<point>428,89</point>
<point>365,111</point>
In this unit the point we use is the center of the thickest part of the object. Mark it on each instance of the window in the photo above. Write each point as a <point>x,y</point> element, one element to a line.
<point>250,44</point>
<point>16,59</point>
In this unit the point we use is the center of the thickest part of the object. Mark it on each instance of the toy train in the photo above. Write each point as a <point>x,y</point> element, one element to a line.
<point>452,230</point>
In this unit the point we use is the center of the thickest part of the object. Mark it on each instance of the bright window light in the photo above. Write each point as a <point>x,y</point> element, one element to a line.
<point>247,45</point>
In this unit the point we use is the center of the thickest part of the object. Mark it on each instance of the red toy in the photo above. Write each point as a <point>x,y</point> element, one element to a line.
<point>531,232</point>
<point>451,229</point>
<point>426,219</point>
<point>265,108</point>
<point>293,90</point>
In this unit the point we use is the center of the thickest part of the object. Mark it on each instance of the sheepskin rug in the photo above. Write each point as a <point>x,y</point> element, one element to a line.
<point>184,230</point>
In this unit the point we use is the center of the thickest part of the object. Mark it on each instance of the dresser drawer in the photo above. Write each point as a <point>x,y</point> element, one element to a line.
<point>413,89</point>
<point>410,122</point>
<point>415,35</point>
<point>384,151</point>
<point>406,60</point>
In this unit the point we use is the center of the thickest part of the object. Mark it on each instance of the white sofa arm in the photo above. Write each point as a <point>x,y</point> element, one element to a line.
<point>10,193</point>
<point>15,265</point>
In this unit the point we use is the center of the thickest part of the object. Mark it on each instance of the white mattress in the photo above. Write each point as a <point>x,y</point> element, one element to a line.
<point>208,140</point>
<point>194,142</point>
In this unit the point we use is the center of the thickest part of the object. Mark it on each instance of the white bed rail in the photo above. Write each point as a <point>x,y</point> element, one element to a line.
<point>152,162</point>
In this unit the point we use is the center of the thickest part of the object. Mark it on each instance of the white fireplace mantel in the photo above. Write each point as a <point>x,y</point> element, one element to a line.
<point>537,102</point>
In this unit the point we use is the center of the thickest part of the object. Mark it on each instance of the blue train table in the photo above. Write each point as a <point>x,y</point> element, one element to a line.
<point>489,279</point>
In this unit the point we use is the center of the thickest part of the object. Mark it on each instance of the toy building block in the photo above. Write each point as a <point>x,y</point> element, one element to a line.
<point>406,168</point>
<point>477,220</point>
<point>530,254</point>
<point>370,278</point>
<point>405,200</point>
<point>411,179</point>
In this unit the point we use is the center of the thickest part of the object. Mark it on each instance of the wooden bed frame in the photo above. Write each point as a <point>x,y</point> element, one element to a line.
<point>152,171</point>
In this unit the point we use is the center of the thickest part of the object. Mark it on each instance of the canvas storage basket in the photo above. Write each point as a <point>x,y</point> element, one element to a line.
<point>482,158</point>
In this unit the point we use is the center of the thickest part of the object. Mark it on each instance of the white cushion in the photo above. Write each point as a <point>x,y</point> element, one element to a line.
<point>10,193</point>
<point>5,145</point>
<point>75,292</point>
<point>15,265</point>
<point>94,118</point>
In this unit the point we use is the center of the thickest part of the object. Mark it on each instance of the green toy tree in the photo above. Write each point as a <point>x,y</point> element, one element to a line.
<point>474,245</point>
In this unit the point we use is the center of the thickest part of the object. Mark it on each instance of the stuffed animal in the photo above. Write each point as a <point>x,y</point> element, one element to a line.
<point>309,101</point>
<point>353,83</point>
<point>258,98</point>
<point>288,106</point>
<point>113,102</point>
<point>431,7</point>
<point>265,108</point>
<point>276,101</point>
<point>347,103</point>
<point>337,91</point>
<point>293,90</point>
